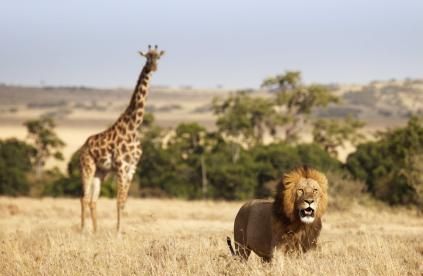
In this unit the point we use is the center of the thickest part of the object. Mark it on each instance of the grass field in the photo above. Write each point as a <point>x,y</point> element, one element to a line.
<point>174,237</point>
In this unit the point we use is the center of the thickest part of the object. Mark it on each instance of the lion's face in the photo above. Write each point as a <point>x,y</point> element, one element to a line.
<point>302,195</point>
<point>307,199</point>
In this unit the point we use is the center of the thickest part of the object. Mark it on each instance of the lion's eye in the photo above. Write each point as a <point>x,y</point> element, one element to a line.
<point>300,191</point>
<point>315,190</point>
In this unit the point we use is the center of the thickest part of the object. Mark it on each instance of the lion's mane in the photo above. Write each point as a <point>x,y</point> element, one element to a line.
<point>283,206</point>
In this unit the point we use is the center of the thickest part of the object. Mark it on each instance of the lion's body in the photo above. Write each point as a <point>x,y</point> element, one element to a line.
<point>263,225</point>
<point>257,228</point>
<point>246,233</point>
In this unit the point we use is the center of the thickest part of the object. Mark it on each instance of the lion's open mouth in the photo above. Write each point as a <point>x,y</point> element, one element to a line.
<point>307,212</point>
<point>307,215</point>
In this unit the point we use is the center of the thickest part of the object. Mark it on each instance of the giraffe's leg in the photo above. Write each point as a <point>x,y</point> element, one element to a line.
<point>87,165</point>
<point>84,206</point>
<point>122,195</point>
<point>124,178</point>
<point>95,193</point>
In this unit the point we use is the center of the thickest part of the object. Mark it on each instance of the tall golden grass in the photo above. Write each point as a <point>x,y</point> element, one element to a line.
<point>174,237</point>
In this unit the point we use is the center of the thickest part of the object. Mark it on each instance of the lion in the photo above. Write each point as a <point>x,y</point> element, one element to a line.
<point>291,222</point>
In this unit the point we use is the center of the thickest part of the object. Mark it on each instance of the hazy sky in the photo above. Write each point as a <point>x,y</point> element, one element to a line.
<point>208,43</point>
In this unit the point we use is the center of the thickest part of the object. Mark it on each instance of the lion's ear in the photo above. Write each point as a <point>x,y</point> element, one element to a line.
<point>320,178</point>
<point>325,183</point>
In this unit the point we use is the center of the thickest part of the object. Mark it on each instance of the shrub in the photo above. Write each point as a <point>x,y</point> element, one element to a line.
<point>275,159</point>
<point>15,164</point>
<point>231,178</point>
<point>387,165</point>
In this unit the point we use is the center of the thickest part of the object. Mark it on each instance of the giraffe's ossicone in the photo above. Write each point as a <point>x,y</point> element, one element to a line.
<point>117,149</point>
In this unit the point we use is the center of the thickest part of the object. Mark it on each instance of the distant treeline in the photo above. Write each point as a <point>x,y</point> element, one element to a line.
<point>255,142</point>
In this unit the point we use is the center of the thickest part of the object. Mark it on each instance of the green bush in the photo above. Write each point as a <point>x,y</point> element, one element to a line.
<point>232,173</point>
<point>231,178</point>
<point>275,159</point>
<point>387,165</point>
<point>165,169</point>
<point>181,176</point>
<point>15,164</point>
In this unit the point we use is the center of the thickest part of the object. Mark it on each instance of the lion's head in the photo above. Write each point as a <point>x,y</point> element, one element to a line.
<point>301,195</point>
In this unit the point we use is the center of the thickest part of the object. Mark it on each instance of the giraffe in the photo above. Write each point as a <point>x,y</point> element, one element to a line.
<point>117,149</point>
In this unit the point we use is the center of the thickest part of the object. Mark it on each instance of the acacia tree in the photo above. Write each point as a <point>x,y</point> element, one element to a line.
<point>296,100</point>
<point>332,134</point>
<point>45,141</point>
<point>194,142</point>
<point>247,119</point>
<point>284,82</point>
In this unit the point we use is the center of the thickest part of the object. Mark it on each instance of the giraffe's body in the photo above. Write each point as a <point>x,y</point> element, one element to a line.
<point>117,149</point>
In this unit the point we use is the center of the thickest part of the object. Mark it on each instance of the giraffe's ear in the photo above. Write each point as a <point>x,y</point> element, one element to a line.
<point>142,53</point>
<point>162,53</point>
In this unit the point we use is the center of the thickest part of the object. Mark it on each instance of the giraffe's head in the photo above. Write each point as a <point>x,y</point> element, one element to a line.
<point>152,56</point>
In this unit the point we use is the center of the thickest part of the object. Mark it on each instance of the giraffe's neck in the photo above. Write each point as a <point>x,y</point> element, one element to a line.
<point>134,113</point>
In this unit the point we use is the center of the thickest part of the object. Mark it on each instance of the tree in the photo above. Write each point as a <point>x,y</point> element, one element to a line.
<point>288,81</point>
<point>15,164</point>
<point>390,166</point>
<point>195,163</point>
<point>332,134</point>
<point>247,119</point>
<point>168,168</point>
<point>231,180</point>
<point>296,100</point>
<point>46,142</point>
<point>191,140</point>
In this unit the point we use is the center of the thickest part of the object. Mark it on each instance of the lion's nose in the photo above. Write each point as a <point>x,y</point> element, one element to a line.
<point>309,201</point>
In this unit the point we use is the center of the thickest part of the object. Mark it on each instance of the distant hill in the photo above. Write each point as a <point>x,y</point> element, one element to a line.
<point>379,100</point>
<point>375,102</point>
<point>70,103</point>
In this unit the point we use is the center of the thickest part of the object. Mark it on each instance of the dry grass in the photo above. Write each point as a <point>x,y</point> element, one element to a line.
<point>171,237</point>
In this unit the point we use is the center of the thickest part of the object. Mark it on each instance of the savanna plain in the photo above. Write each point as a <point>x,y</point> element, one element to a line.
<point>176,237</point>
